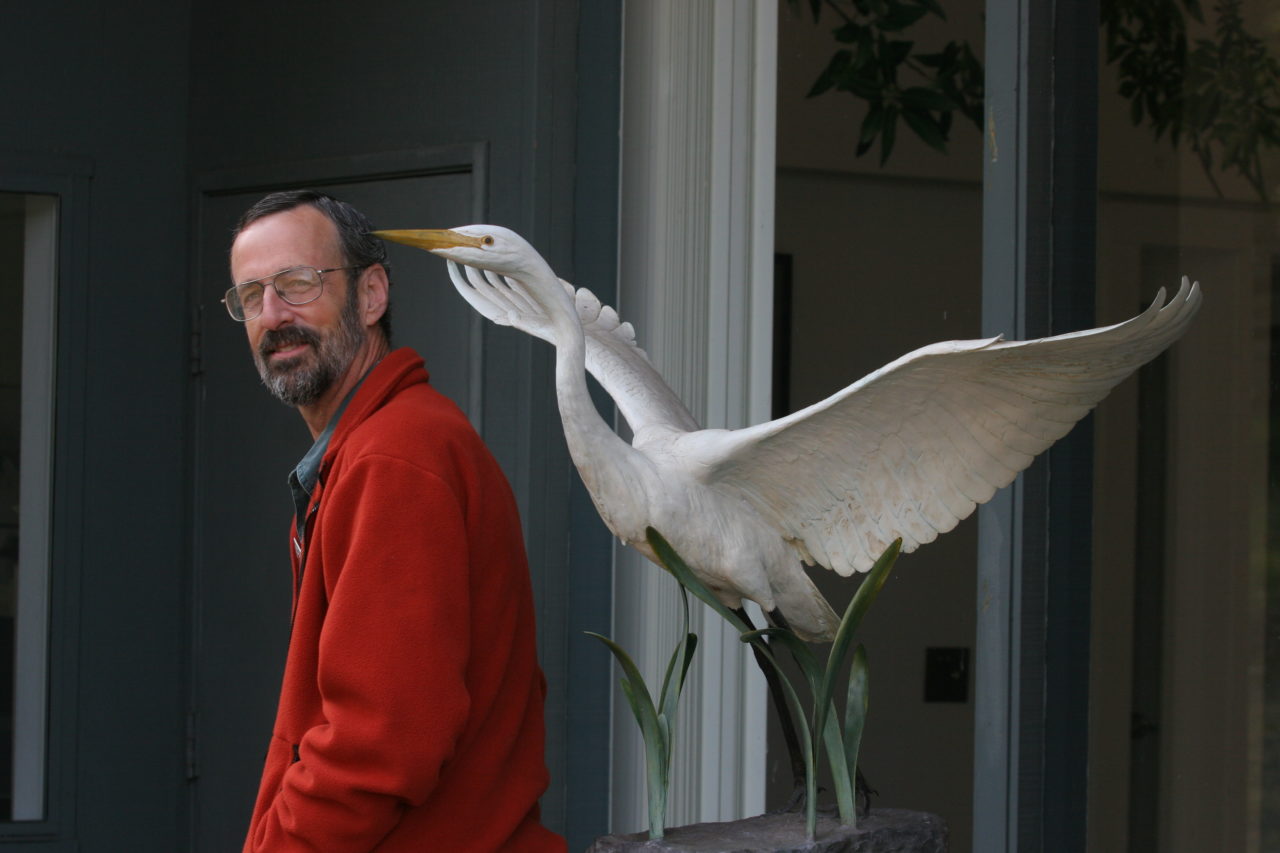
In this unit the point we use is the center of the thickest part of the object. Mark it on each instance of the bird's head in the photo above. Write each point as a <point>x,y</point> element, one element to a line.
<point>487,247</point>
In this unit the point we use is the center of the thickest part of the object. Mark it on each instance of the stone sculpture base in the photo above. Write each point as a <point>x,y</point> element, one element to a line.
<point>882,831</point>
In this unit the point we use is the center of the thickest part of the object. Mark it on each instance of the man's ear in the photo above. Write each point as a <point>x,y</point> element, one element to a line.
<point>374,293</point>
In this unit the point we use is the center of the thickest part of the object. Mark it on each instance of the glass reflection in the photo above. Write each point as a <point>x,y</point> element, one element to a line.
<point>1183,754</point>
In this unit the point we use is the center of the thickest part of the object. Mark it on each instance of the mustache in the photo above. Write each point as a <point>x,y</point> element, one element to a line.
<point>274,339</point>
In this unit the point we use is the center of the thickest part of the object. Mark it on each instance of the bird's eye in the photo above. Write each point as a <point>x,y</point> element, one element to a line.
<point>488,240</point>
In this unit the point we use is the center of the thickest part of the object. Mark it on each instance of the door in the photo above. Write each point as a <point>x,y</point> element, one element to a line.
<point>246,443</point>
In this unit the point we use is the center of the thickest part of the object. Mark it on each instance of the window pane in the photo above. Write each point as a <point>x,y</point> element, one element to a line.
<point>1183,676</point>
<point>878,256</point>
<point>27,288</point>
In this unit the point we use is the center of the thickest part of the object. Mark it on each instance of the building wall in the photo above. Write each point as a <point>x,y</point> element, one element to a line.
<point>96,88</point>
<point>150,102</point>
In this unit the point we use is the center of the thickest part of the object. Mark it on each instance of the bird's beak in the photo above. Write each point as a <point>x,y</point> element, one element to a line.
<point>431,240</point>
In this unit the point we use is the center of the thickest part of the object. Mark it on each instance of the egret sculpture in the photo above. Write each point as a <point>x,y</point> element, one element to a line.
<point>907,451</point>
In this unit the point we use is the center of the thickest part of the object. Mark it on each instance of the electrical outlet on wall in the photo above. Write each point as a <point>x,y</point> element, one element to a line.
<point>946,674</point>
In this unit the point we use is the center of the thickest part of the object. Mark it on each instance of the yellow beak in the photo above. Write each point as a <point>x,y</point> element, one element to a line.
<point>431,239</point>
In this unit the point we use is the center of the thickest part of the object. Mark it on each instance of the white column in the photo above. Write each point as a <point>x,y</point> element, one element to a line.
<point>696,279</point>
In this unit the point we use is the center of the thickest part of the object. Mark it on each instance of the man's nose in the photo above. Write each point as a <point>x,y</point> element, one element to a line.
<point>275,311</point>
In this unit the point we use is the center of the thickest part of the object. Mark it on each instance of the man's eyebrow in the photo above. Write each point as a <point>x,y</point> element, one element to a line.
<point>270,274</point>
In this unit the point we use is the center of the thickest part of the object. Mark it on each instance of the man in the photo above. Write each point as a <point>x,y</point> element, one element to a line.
<point>410,716</point>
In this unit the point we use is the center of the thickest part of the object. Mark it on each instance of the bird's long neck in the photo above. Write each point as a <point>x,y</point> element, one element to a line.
<point>606,462</point>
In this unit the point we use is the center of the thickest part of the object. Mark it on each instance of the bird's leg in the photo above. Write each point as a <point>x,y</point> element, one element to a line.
<point>771,677</point>
<point>862,790</point>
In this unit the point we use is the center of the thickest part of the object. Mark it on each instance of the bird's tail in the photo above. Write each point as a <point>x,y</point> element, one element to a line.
<point>799,605</point>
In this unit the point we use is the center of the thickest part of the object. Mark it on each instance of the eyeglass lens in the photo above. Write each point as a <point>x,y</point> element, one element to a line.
<point>296,286</point>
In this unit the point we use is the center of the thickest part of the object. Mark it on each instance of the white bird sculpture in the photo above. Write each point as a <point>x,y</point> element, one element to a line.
<point>907,451</point>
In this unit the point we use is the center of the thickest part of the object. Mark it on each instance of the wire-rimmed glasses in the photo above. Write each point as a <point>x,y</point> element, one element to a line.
<point>296,285</point>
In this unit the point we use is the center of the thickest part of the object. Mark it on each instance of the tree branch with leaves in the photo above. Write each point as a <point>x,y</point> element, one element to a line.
<point>1220,95</point>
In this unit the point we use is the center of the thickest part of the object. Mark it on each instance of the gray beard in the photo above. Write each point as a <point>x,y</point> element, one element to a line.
<point>303,380</point>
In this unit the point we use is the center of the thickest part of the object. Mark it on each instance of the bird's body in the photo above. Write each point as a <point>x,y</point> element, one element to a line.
<point>907,451</point>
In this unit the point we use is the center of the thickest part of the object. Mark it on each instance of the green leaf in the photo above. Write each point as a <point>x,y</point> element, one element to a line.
<point>901,17</point>
<point>887,133</point>
<point>830,731</point>
<point>855,709</point>
<point>850,32</point>
<point>655,754</point>
<point>824,695</point>
<point>805,734</point>
<point>926,128</point>
<point>799,650</point>
<point>893,55</point>
<point>628,666</point>
<point>831,74</point>
<point>681,660</point>
<point>681,657</point>
<point>672,562</point>
<point>653,732</point>
<point>920,98</point>
<point>842,781</point>
<point>861,602</point>
<point>664,729</point>
<point>934,8</point>
<point>871,124</point>
<point>858,606</point>
<point>867,86</point>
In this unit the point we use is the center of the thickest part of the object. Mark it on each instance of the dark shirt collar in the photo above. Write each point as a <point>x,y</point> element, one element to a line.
<point>302,479</point>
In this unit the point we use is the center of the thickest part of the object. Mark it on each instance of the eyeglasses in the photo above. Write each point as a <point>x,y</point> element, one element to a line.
<point>297,286</point>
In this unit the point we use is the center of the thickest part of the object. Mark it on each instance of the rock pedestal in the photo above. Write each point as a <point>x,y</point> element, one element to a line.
<point>882,831</point>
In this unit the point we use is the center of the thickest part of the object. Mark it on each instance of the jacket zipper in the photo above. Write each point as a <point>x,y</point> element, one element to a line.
<point>301,549</point>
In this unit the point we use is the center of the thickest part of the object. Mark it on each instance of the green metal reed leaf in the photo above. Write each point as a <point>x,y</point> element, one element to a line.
<point>655,754</point>
<point>841,777</point>
<point>629,668</point>
<point>681,659</point>
<point>830,732</point>
<point>855,709</point>
<point>841,745</point>
<point>657,723</point>
<point>678,666</point>
<point>824,694</point>
<point>654,730</point>
<point>804,735</point>
<point>671,562</point>
<point>799,649</point>
<point>862,600</point>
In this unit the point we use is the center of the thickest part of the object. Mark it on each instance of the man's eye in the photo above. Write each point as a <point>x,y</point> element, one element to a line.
<point>294,285</point>
<point>250,297</point>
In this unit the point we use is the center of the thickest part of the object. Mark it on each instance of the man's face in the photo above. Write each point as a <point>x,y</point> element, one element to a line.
<point>300,350</point>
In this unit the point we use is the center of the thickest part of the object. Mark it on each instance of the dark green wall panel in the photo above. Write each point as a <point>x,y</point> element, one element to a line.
<point>106,89</point>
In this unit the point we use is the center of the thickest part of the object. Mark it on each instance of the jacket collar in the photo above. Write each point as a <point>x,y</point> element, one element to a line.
<point>400,369</point>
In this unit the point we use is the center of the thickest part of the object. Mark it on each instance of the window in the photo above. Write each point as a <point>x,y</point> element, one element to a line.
<point>1185,688</point>
<point>28,225</point>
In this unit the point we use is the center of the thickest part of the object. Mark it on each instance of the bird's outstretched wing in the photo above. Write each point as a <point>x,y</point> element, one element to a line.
<point>912,448</point>
<point>620,366</point>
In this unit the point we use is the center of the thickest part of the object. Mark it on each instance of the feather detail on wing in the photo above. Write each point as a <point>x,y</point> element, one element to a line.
<point>612,356</point>
<point>912,448</point>
<point>623,369</point>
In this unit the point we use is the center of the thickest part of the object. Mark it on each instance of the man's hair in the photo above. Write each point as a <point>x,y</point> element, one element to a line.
<point>359,247</point>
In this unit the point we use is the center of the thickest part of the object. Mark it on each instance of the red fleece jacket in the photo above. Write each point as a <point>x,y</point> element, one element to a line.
<point>410,716</point>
